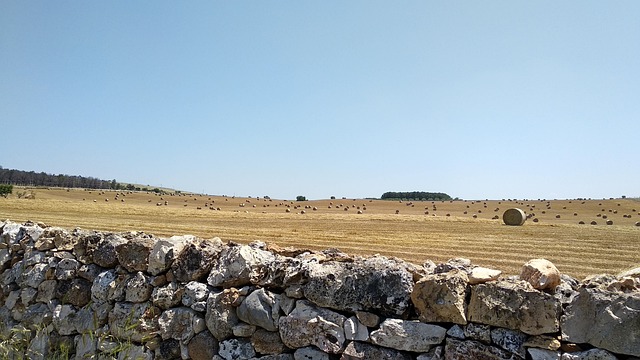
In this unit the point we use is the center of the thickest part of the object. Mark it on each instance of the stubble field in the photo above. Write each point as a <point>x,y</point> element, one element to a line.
<point>448,230</point>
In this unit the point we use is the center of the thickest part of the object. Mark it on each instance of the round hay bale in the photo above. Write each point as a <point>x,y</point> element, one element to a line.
<point>558,216</point>
<point>581,222</point>
<point>514,217</point>
<point>609,222</point>
<point>535,220</point>
<point>637,223</point>
<point>594,222</point>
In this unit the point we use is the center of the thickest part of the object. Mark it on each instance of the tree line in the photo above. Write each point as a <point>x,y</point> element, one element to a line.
<point>32,178</point>
<point>415,195</point>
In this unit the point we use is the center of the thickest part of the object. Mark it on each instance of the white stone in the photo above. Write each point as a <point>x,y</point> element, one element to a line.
<point>408,335</point>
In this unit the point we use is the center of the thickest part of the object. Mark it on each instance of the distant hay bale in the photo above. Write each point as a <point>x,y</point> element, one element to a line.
<point>581,222</point>
<point>637,223</point>
<point>397,211</point>
<point>288,210</point>
<point>359,211</point>
<point>514,217</point>
<point>558,216</point>
<point>594,222</point>
<point>535,220</point>
<point>609,222</point>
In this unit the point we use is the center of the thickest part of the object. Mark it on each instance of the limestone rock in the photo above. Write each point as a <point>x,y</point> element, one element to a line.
<point>514,305</point>
<point>60,237</point>
<point>134,321</point>
<point>236,349</point>
<point>310,325</point>
<point>107,286</point>
<point>195,295</point>
<point>368,319</point>
<point>260,308</point>
<point>63,316</point>
<point>543,342</point>
<point>456,263</point>
<point>105,254</point>
<point>167,296</point>
<point>138,288</point>
<point>593,354</point>
<point>267,342</point>
<point>221,314</point>
<point>543,354</point>
<point>481,275</point>
<point>354,330</point>
<point>180,323</point>
<point>134,255</point>
<point>244,330</point>
<point>203,346</point>
<point>136,352</point>
<point>456,331</point>
<point>374,284</point>
<point>436,353</point>
<point>363,351</point>
<point>195,260</point>
<point>478,332</point>
<point>240,265</point>
<point>164,251</point>
<point>76,292</point>
<point>34,275</point>
<point>469,349</point>
<point>85,346</point>
<point>635,273</point>
<point>67,269</point>
<point>608,320</point>
<point>408,335</point>
<point>86,245</point>
<point>510,340</point>
<point>441,297</point>
<point>541,274</point>
<point>168,350</point>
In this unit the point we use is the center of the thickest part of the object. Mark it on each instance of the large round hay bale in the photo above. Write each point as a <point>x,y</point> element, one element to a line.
<point>514,217</point>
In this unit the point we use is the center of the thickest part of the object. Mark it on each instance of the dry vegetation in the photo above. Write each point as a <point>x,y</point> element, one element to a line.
<point>448,230</point>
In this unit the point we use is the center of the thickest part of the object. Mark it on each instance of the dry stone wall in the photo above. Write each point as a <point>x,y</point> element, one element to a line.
<point>131,295</point>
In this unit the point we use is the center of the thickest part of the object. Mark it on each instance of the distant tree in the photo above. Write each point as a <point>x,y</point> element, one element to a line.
<point>301,198</point>
<point>415,195</point>
<point>5,190</point>
<point>333,197</point>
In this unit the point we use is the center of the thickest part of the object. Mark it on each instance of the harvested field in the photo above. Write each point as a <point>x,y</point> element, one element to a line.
<point>578,250</point>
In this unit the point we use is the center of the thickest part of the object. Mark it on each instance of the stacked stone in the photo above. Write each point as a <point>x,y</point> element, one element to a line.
<point>133,295</point>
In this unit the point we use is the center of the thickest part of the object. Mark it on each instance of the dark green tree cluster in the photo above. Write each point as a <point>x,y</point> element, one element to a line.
<point>32,178</point>
<point>415,195</point>
<point>5,190</point>
<point>301,198</point>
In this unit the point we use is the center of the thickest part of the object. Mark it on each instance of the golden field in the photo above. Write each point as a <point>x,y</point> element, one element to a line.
<point>413,235</point>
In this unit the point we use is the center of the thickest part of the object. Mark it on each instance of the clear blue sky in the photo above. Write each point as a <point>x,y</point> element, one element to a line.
<point>477,99</point>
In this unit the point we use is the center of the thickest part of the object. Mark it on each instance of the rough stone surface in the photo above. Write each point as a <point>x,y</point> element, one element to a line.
<point>134,255</point>
<point>437,353</point>
<point>167,296</point>
<point>354,330</point>
<point>510,340</point>
<point>221,314</point>
<point>164,251</point>
<point>134,321</point>
<point>368,319</point>
<point>310,325</point>
<point>203,346</point>
<point>456,331</point>
<point>240,265</point>
<point>543,354</point>
<point>350,286</point>
<point>363,351</point>
<point>195,260</point>
<point>478,332</point>
<point>310,353</point>
<point>608,320</point>
<point>481,275</point>
<point>541,274</point>
<point>63,316</point>
<point>138,288</point>
<point>105,252</point>
<point>236,349</point>
<point>465,350</point>
<point>267,342</point>
<point>593,354</point>
<point>442,297</point>
<point>67,269</point>
<point>543,342</point>
<point>514,305</point>
<point>180,323</point>
<point>260,308</point>
<point>408,335</point>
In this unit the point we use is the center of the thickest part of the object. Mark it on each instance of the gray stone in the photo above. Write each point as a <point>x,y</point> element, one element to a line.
<point>221,314</point>
<point>437,353</point>
<point>469,349</point>
<point>180,323</point>
<point>454,264</point>
<point>38,347</point>
<point>287,304</point>
<point>244,330</point>
<point>514,305</point>
<point>28,295</point>
<point>310,353</point>
<point>105,254</point>
<point>541,274</point>
<point>86,245</point>
<point>373,284</point>
<point>195,260</point>
<point>481,275</point>
<point>63,319</point>
<point>87,320</point>
<point>510,340</point>
<point>134,255</point>
<point>203,346</point>
<point>136,352</point>
<point>89,272</point>
<point>107,286</point>
<point>86,346</point>
<point>194,292</point>
<point>168,296</point>
<point>76,292</point>
<point>67,269</point>
<point>240,265</point>
<point>593,354</point>
<point>608,320</point>
<point>34,275</point>
<point>260,308</point>
<point>456,331</point>
<point>138,288</point>
<point>36,316</point>
<point>354,330</point>
<point>236,349</point>
<point>267,342</point>
<point>363,351</point>
<point>408,335</point>
<point>478,332</point>
<point>543,354</point>
<point>310,325</point>
<point>11,300</point>
<point>134,321</point>
<point>164,251</point>
<point>168,350</point>
<point>277,357</point>
<point>441,297</point>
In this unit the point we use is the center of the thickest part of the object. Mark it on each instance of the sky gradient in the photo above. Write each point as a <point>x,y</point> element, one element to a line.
<point>497,99</point>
